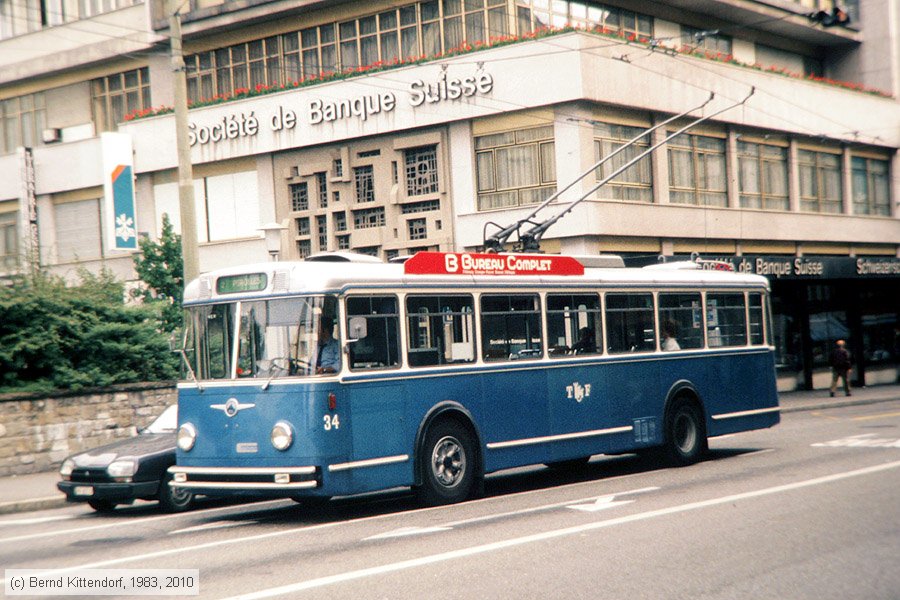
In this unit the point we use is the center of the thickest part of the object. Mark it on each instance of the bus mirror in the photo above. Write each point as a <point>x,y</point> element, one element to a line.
<point>357,328</point>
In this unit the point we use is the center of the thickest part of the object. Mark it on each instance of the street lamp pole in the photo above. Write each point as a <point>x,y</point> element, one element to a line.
<point>272,235</point>
<point>189,250</point>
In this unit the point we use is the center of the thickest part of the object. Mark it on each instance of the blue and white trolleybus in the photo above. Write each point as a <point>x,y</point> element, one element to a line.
<point>334,377</point>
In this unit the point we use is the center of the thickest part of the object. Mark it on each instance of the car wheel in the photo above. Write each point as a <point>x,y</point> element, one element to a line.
<point>102,506</point>
<point>448,464</point>
<point>172,500</point>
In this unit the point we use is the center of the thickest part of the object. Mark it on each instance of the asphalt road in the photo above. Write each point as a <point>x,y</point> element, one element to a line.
<point>808,509</point>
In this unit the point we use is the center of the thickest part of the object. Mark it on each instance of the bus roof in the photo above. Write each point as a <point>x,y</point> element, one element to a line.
<point>321,276</point>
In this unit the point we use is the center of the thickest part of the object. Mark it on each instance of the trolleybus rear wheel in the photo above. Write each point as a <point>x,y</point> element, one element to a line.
<point>448,464</point>
<point>685,434</point>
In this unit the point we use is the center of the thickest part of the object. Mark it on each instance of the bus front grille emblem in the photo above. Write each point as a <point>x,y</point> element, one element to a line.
<point>231,407</point>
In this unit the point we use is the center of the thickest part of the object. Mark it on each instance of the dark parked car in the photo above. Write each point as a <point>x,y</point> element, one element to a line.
<point>123,471</point>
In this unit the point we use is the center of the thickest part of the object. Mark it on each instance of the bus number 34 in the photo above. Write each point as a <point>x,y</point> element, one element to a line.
<point>332,422</point>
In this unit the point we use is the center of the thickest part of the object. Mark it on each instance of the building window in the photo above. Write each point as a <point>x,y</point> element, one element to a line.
<point>343,242</point>
<point>340,221</point>
<point>871,186</point>
<point>515,168</point>
<point>820,181</point>
<point>304,248</point>
<point>9,240</point>
<point>299,196</point>
<point>700,39</point>
<point>368,218</point>
<point>338,167</point>
<point>421,171</point>
<point>763,174</point>
<point>697,170</point>
<point>78,231</point>
<point>636,182</point>
<point>303,226</point>
<point>22,120</point>
<point>535,14</point>
<point>417,229</point>
<point>365,183</point>
<point>114,96</point>
<point>322,227</point>
<point>322,184</point>
<point>418,207</point>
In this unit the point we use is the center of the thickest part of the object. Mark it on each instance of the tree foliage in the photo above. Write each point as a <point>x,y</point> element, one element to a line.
<point>54,336</point>
<point>161,268</point>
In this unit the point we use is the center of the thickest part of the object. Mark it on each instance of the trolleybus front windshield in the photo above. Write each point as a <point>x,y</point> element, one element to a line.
<point>264,339</point>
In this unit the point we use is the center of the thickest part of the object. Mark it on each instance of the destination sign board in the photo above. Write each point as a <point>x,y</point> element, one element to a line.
<point>464,263</point>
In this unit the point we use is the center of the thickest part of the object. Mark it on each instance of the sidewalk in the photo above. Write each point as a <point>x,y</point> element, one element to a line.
<point>21,493</point>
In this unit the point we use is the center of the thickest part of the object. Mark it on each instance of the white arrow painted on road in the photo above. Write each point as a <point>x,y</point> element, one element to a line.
<point>602,503</point>
<point>605,502</point>
<point>408,531</point>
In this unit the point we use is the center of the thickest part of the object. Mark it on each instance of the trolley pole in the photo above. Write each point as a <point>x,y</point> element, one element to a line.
<point>185,170</point>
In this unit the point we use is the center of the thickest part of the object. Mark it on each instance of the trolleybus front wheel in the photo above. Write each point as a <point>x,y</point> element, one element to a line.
<point>448,464</point>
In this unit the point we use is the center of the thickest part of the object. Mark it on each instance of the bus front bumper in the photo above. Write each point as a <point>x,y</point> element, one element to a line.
<point>281,480</point>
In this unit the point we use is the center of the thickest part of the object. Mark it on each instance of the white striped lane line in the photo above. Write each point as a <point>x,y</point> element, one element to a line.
<point>557,533</point>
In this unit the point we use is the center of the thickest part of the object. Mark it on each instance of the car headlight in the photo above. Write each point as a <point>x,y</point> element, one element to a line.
<point>122,469</point>
<point>282,436</point>
<point>65,470</point>
<point>187,435</point>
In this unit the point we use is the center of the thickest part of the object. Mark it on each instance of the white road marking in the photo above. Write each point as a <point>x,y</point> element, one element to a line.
<point>602,503</point>
<point>292,531</point>
<point>557,533</point>
<point>408,531</point>
<point>864,440</point>
<point>212,525</point>
<point>35,520</point>
<point>128,522</point>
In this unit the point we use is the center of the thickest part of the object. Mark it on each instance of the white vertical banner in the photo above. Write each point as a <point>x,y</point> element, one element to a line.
<point>118,191</point>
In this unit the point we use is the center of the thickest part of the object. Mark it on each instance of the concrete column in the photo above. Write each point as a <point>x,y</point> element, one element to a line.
<point>793,177</point>
<point>846,182</point>
<point>732,170</point>
<point>659,164</point>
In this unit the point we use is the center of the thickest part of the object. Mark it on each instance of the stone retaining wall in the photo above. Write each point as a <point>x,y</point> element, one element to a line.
<point>37,432</point>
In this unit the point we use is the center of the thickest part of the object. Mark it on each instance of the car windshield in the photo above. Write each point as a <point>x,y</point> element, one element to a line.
<point>167,422</point>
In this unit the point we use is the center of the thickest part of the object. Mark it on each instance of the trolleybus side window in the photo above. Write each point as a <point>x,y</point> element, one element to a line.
<point>726,322</point>
<point>440,330</point>
<point>510,327</point>
<point>574,324</point>
<point>379,347</point>
<point>629,323</point>
<point>755,312</point>
<point>680,321</point>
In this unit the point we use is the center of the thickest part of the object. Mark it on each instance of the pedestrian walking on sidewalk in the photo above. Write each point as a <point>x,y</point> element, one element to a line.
<point>841,363</point>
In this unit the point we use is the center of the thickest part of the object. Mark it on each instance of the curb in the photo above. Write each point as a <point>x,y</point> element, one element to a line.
<point>837,404</point>
<point>18,506</point>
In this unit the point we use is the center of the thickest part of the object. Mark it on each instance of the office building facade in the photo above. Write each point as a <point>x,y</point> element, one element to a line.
<point>391,127</point>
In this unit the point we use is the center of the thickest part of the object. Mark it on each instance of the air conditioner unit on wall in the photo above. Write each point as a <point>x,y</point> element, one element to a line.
<point>51,135</point>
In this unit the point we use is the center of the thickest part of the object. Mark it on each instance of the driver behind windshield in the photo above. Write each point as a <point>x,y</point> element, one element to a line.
<point>328,357</point>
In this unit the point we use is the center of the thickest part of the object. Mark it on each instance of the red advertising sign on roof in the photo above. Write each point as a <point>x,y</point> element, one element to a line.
<point>464,263</point>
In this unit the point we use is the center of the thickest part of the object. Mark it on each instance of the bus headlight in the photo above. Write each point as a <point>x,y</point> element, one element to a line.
<point>282,436</point>
<point>187,435</point>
